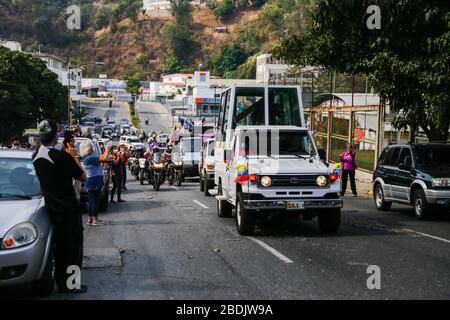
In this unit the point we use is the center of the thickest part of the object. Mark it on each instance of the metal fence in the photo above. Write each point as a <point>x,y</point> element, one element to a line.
<point>335,127</point>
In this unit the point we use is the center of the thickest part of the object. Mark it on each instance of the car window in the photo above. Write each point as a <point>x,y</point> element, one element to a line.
<point>405,157</point>
<point>382,159</point>
<point>432,155</point>
<point>392,157</point>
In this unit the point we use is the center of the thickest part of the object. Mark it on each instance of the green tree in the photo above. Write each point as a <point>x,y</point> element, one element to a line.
<point>407,60</point>
<point>29,91</point>
<point>224,9</point>
<point>228,60</point>
<point>133,83</point>
<point>172,65</point>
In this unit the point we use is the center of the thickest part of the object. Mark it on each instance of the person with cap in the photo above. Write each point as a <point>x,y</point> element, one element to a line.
<point>55,170</point>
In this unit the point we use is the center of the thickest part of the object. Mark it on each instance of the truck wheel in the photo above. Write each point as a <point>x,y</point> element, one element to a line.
<point>207,185</point>
<point>245,220</point>
<point>380,203</point>
<point>202,185</point>
<point>329,220</point>
<point>45,285</point>
<point>422,209</point>
<point>224,208</point>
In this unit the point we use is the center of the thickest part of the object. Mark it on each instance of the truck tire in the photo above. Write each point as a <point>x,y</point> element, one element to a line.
<point>45,286</point>
<point>378,196</point>
<point>202,185</point>
<point>224,208</point>
<point>245,220</point>
<point>207,185</point>
<point>329,220</point>
<point>422,209</point>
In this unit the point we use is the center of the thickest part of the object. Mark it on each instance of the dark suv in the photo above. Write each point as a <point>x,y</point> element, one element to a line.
<point>413,174</point>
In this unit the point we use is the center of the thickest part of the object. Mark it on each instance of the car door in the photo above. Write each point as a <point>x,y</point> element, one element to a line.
<point>403,177</point>
<point>390,168</point>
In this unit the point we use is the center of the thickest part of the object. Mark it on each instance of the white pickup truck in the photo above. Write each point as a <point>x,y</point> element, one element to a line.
<point>266,161</point>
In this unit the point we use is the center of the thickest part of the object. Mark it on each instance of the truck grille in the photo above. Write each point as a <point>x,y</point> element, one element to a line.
<point>294,181</point>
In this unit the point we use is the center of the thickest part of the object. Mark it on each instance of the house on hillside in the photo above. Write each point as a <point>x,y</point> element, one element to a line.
<point>162,8</point>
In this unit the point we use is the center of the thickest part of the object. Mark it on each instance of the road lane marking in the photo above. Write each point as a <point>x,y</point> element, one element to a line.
<point>200,204</point>
<point>277,254</point>
<point>427,235</point>
<point>176,188</point>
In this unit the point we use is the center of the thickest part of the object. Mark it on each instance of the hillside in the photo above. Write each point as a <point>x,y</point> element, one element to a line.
<point>117,33</point>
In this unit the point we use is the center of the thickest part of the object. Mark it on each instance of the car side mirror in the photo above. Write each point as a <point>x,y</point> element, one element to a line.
<point>322,154</point>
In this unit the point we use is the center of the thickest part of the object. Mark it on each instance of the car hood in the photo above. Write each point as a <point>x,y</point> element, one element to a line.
<point>13,212</point>
<point>269,166</point>
<point>435,172</point>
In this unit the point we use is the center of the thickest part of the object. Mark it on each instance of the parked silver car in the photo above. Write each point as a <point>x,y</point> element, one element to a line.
<point>26,231</point>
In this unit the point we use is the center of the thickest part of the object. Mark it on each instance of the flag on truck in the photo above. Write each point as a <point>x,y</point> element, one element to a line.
<point>242,173</point>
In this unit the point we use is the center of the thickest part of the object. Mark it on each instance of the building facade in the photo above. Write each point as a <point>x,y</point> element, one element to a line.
<point>11,45</point>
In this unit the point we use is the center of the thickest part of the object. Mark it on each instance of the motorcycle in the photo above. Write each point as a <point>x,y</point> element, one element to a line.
<point>143,170</point>
<point>175,170</point>
<point>158,169</point>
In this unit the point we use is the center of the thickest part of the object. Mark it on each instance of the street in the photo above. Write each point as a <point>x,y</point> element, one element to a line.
<point>172,245</point>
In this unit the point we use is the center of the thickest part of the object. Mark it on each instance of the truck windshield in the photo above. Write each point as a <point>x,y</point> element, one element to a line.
<point>433,155</point>
<point>276,143</point>
<point>284,107</point>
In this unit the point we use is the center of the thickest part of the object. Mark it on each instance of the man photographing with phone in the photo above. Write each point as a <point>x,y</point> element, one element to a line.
<point>55,170</point>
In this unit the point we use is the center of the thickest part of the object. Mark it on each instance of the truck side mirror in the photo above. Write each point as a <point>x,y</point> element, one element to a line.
<point>322,154</point>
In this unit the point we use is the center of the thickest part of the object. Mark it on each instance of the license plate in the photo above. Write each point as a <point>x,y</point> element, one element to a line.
<point>297,205</point>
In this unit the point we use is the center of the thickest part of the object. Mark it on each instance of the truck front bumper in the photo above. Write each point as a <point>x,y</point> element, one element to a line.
<point>293,204</point>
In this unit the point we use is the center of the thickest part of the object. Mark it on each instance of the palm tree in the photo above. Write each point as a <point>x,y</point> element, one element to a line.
<point>79,114</point>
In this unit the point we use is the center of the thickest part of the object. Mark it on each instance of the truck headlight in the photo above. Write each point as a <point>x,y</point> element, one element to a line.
<point>20,235</point>
<point>441,182</point>
<point>266,181</point>
<point>322,181</point>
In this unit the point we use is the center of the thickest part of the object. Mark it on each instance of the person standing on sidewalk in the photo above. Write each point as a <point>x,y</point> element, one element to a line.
<point>94,183</point>
<point>124,156</point>
<point>55,170</point>
<point>116,174</point>
<point>348,165</point>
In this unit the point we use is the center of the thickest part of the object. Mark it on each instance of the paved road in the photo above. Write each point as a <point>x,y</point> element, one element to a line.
<point>117,112</point>
<point>172,245</point>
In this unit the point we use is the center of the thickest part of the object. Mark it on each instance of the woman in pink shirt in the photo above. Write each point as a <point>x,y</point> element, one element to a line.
<point>348,165</point>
